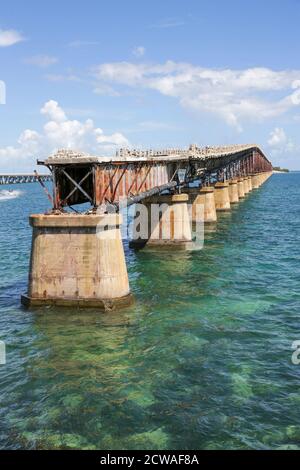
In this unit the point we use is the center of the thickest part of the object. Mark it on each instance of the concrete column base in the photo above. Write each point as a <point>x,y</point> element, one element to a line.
<point>261,178</point>
<point>241,188</point>
<point>165,223</point>
<point>203,204</point>
<point>250,183</point>
<point>246,186</point>
<point>255,181</point>
<point>233,191</point>
<point>222,199</point>
<point>77,260</point>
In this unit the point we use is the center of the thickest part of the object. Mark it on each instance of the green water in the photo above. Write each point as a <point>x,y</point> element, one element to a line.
<point>201,361</point>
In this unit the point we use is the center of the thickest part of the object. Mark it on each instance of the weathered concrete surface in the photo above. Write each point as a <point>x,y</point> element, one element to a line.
<point>241,189</point>
<point>260,178</point>
<point>233,191</point>
<point>222,199</point>
<point>250,183</point>
<point>254,181</point>
<point>203,198</point>
<point>246,185</point>
<point>167,220</point>
<point>77,259</point>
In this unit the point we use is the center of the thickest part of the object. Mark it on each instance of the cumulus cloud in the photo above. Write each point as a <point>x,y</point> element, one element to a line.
<point>41,60</point>
<point>54,111</point>
<point>10,37</point>
<point>139,51</point>
<point>277,137</point>
<point>279,143</point>
<point>233,95</point>
<point>59,131</point>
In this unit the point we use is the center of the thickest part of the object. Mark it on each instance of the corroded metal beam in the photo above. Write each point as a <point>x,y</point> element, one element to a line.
<point>133,175</point>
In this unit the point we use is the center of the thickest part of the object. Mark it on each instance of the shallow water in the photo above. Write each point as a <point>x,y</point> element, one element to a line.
<point>201,361</point>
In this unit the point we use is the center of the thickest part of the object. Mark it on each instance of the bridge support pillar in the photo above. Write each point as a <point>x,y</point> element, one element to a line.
<point>260,179</point>
<point>249,183</point>
<point>246,186</point>
<point>222,196</point>
<point>165,222</point>
<point>255,181</point>
<point>233,191</point>
<point>241,188</point>
<point>77,260</point>
<point>205,198</point>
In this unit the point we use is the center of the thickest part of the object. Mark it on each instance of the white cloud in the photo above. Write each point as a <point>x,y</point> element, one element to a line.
<point>54,111</point>
<point>233,95</point>
<point>106,90</point>
<point>277,137</point>
<point>138,51</point>
<point>59,131</point>
<point>41,60</point>
<point>10,37</point>
<point>279,143</point>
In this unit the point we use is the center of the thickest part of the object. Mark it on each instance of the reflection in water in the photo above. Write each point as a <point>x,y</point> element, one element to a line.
<point>200,361</point>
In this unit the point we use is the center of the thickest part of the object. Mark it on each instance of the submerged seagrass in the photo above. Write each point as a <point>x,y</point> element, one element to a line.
<point>202,360</point>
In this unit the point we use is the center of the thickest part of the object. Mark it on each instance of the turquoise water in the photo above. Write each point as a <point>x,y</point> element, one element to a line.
<point>201,361</point>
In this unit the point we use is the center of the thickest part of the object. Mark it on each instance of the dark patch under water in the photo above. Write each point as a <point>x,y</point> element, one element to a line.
<point>201,361</point>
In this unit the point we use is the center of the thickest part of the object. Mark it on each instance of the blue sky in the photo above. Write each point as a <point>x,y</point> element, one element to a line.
<point>99,75</point>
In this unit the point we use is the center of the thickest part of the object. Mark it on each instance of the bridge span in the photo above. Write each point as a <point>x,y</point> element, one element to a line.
<point>78,258</point>
<point>15,178</point>
<point>134,175</point>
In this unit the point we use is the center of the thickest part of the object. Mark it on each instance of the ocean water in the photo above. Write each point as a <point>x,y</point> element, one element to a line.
<point>202,360</point>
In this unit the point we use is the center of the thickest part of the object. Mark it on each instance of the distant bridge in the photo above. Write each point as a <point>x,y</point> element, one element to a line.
<point>24,178</point>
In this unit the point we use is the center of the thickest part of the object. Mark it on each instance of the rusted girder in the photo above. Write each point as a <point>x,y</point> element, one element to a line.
<point>133,175</point>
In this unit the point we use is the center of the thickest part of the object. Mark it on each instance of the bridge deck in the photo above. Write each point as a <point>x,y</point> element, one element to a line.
<point>63,157</point>
<point>136,174</point>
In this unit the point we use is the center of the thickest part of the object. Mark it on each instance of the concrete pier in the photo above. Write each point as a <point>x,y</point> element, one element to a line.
<point>77,260</point>
<point>222,199</point>
<point>260,178</point>
<point>246,186</point>
<point>164,223</point>
<point>254,181</point>
<point>205,198</point>
<point>250,183</point>
<point>241,189</point>
<point>233,191</point>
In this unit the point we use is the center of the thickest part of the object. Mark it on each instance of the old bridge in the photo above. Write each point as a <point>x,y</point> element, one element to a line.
<point>135,175</point>
<point>78,258</point>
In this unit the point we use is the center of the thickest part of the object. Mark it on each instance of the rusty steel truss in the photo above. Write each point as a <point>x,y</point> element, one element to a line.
<point>134,175</point>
